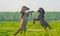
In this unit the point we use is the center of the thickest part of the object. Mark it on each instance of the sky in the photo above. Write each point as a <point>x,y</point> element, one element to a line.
<point>15,5</point>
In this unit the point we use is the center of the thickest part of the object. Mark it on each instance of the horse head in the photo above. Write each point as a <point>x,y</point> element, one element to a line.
<point>24,9</point>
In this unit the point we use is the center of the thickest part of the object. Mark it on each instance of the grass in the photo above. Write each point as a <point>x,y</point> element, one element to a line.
<point>9,28</point>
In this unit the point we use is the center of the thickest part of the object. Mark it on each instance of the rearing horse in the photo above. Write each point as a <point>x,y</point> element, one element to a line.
<point>40,18</point>
<point>24,19</point>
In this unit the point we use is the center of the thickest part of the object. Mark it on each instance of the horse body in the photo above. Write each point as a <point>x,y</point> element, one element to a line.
<point>24,19</point>
<point>41,18</point>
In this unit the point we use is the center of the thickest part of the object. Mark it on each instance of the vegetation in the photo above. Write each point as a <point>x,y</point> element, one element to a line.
<point>10,22</point>
<point>15,16</point>
<point>9,28</point>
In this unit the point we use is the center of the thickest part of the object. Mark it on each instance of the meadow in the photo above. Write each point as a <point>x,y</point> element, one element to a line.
<point>10,22</point>
<point>9,28</point>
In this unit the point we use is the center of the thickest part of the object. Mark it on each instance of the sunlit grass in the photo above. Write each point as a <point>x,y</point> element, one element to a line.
<point>9,28</point>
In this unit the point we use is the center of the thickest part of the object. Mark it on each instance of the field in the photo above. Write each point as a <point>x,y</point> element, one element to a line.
<point>9,28</point>
<point>9,23</point>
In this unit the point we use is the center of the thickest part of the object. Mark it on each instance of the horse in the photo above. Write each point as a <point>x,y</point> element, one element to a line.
<point>24,19</point>
<point>40,18</point>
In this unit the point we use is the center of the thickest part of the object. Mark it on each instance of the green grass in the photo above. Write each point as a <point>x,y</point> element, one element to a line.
<point>9,28</point>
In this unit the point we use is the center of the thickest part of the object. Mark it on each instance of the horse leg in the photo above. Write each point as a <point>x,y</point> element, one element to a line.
<point>47,25</point>
<point>19,30</point>
<point>44,24</point>
<point>25,32</point>
<point>34,21</point>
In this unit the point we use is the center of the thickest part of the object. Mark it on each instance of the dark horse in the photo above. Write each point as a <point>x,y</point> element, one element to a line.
<point>41,18</point>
